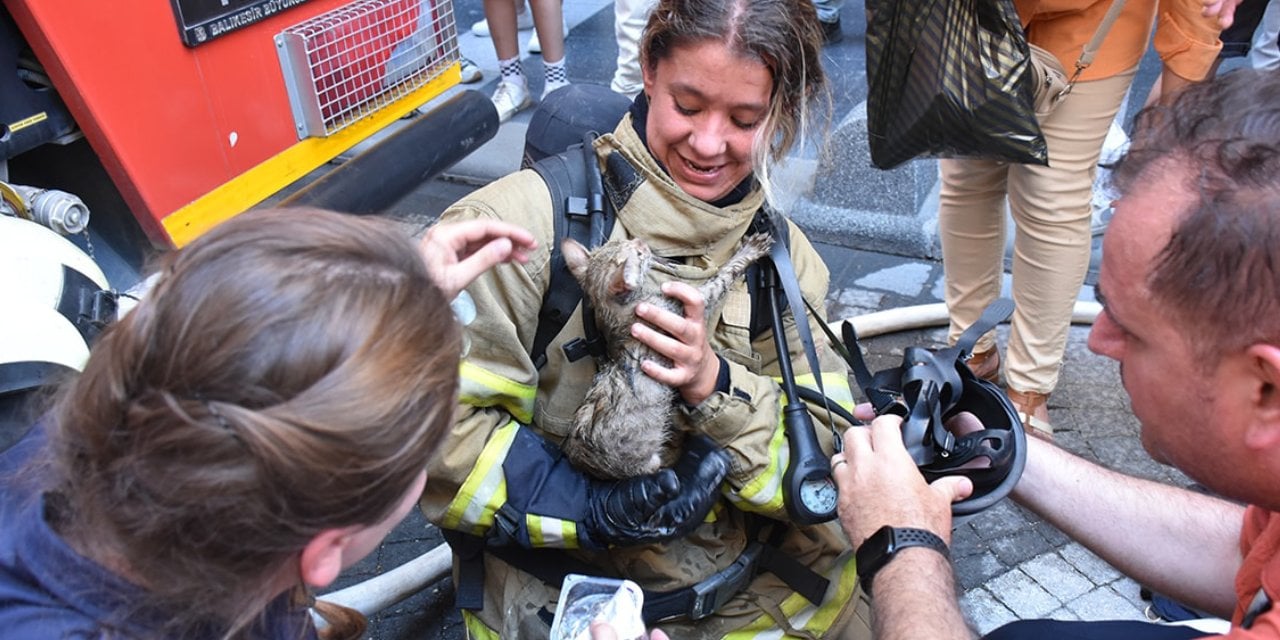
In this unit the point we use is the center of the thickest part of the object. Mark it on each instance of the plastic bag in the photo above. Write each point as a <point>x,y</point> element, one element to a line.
<point>949,78</point>
<point>584,599</point>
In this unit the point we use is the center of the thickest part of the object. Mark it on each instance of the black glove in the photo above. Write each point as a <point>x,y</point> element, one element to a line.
<point>542,487</point>
<point>661,506</point>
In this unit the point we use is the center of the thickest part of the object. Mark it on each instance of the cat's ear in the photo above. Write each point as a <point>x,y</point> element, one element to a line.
<point>575,257</point>
<point>619,282</point>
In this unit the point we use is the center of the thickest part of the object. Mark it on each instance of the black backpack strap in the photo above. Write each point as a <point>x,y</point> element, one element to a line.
<point>566,179</point>
<point>582,212</point>
<point>695,602</point>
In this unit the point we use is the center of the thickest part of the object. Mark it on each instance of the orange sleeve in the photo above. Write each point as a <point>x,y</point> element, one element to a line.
<point>1187,42</point>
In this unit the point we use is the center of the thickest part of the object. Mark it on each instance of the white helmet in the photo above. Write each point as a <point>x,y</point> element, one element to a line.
<point>56,301</point>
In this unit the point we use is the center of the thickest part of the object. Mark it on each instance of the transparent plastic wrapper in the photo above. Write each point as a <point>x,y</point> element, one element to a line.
<point>950,78</point>
<point>584,599</point>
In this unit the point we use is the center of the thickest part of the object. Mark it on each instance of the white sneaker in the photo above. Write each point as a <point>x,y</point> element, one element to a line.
<point>535,46</point>
<point>524,21</point>
<point>510,98</point>
<point>1116,144</point>
<point>470,72</point>
<point>552,86</point>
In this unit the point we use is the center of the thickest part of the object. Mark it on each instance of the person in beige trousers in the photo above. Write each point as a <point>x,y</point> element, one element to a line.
<point>1050,205</point>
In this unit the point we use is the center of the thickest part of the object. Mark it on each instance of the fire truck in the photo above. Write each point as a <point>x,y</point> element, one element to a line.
<point>130,127</point>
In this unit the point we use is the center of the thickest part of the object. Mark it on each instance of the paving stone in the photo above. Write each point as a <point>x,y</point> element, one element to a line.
<point>1057,576</point>
<point>1053,535</point>
<point>909,278</point>
<point>1099,571</point>
<point>983,611</point>
<point>1019,547</point>
<point>1105,603</point>
<point>1003,519</point>
<point>974,570</point>
<point>848,303</point>
<point>1126,454</point>
<point>1022,595</point>
<point>965,542</point>
<point>1062,613</point>
<point>1130,590</point>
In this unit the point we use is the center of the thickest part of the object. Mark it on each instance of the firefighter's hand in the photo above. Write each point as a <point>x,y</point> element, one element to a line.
<point>661,506</point>
<point>458,252</point>
<point>682,338</point>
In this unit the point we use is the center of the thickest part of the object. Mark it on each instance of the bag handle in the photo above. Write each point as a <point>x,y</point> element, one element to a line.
<point>1091,47</point>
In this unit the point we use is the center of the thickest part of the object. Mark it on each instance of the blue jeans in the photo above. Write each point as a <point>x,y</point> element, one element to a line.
<point>828,10</point>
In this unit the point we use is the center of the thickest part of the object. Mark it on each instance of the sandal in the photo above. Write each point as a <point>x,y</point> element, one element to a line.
<point>986,364</point>
<point>1033,408</point>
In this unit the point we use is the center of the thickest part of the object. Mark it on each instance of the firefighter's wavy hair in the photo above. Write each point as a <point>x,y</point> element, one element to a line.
<point>289,372</point>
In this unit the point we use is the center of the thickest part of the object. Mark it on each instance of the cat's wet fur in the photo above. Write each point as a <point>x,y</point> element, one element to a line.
<point>625,419</point>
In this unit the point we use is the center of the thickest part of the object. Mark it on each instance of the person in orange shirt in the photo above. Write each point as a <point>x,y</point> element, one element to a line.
<point>1051,204</point>
<point>1189,282</point>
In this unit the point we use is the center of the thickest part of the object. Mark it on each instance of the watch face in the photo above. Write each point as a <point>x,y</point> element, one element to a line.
<point>819,495</point>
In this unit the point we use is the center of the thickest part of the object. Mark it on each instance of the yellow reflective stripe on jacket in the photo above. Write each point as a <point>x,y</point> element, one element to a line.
<point>485,489</point>
<point>477,630</point>
<point>802,614</point>
<point>483,388</point>
<point>545,531</point>
<point>836,386</point>
<point>764,492</point>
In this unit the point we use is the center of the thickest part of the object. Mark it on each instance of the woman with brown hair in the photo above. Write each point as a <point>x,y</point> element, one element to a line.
<point>257,423</point>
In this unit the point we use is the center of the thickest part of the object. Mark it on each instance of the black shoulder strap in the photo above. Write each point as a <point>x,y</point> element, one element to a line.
<point>760,319</point>
<point>574,201</point>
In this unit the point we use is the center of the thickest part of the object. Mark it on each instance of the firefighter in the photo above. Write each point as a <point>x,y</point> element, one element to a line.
<point>727,84</point>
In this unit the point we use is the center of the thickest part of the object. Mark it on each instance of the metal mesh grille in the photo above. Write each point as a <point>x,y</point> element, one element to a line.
<point>352,61</point>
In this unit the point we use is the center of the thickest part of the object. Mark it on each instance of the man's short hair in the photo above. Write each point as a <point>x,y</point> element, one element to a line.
<point>1219,274</point>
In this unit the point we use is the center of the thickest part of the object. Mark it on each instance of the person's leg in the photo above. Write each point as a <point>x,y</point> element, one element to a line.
<point>629,19</point>
<point>1051,210</point>
<point>829,16</point>
<point>480,28</point>
<point>512,93</point>
<point>1265,52</point>
<point>501,16</point>
<point>548,21</point>
<point>1084,630</point>
<point>971,225</point>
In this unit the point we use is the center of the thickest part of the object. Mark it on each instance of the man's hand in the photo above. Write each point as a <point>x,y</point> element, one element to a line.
<point>683,340</point>
<point>880,485</point>
<point>458,252</point>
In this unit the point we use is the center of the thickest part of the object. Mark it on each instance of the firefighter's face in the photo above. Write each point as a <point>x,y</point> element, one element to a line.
<point>706,105</point>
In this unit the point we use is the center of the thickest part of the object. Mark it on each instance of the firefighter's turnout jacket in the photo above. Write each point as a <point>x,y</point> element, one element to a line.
<point>503,393</point>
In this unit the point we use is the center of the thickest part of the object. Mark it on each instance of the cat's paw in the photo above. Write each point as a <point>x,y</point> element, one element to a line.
<point>755,246</point>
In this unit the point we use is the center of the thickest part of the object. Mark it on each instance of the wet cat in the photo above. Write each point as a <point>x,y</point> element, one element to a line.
<point>624,421</point>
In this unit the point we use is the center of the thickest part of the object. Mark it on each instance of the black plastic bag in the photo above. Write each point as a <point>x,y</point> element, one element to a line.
<point>949,78</point>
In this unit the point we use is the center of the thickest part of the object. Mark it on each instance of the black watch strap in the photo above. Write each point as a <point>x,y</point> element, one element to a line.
<point>877,550</point>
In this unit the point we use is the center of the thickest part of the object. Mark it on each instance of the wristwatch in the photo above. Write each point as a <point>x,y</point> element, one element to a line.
<point>877,550</point>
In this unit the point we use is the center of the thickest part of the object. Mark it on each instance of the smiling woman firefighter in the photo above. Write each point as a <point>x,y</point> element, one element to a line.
<point>714,536</point>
